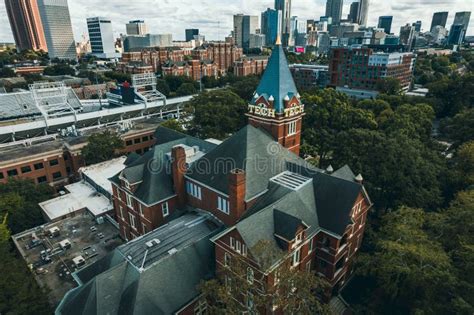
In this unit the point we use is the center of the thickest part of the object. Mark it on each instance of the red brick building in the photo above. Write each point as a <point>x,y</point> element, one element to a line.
<point>194,69</point>
<point>250,65</point>
<point>362,68</point>
<point>223,54</point>
<point>253,187</point>
<point>155,57</point>
<point>57,162</point>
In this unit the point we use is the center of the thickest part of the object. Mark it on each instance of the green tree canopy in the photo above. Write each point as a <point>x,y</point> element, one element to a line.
<point>186,89</point>
<point>101,147</point>
<point>217,114</point>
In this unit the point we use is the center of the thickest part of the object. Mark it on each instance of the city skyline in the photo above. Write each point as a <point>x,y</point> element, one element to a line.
<point>175,16</point>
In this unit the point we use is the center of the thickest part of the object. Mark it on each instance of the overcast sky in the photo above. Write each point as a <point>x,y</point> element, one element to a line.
<point>214,17</point>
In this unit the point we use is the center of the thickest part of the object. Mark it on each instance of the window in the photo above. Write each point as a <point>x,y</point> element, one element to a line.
<point>310,246</point>
<point>238,246</point>
<point>292,128</point>
<point>25,169</point>
<point>250,275</point>
<point>121,212</point>
<point>223,205</point>
<point>201,307</point>
<point>38,166</point>
<point>232,243</point>
<point>164,209</point>
<point>299,238</point>
<point>140,209</point>
<point>358,208</point>
<point>308,266</point>
<point>1,175</point>
<point>65,157</point>
<point>296,258</point>
<point>325,242</point>
<point>145,230</point>
<point>244,250</point>
<point>145,138</point>
<point>249,300</point>
<point>119,194</point>
<point>53,162</point>
<point>226,259</point>
<point>57,175</point>
<point>132,221</point>
<point>42,179</point>
<point>129,200</point>
<point>129,143</point>
<point>322,264</point>
<point>137,141</point>
<point>68,170</point>
<point>277,277</point>
<point>12,173</point>
<point>193,190</point>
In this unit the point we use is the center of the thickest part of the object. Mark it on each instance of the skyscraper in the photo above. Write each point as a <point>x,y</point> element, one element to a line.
<point>334,10</point>
<point>271,25</point>
<point>57,29</point>
<point>190,33</point>
<point>417,26</point>
<point>137,27</point>
<point>462,18</point>
<point>25,22</point>
<point>285,7</point>
<point>456,34</point>
<point>407,34</point>
<point>363,12</point>
<point>352,17</point>
<point>385,22</point>
<point>244,25</point>
<point>101,37</point>
<point>439,18</point>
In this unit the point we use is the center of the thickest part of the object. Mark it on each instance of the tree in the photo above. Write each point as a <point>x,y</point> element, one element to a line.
<point>412,272</point>
<point>6,72</point>
<point>390,86</point>
<point>460,128</point>
<point>217,114</point>
<point>295,292</point>
<point>245,87</point>
<point>118,76</point>
<point>186,89</point>
<point>19,198</point>
<point>173,124</point>
<point>59,69</point>
<point>163,87</point>
<point>102,147</point>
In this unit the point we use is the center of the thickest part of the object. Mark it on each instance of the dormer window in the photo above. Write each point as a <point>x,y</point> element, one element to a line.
<point>127,184</point>
<point>299,238</point>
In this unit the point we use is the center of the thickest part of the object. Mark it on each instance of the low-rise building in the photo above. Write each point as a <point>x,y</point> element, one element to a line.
<point>362,68</point>
<point>310,76</point>
<point>250,65</point>
<point>195,69</point>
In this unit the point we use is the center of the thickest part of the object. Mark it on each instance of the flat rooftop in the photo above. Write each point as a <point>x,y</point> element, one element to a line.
<point>80,196</point>
<point>100,173</point>
<point>143,252</point>
<point>87,238</point>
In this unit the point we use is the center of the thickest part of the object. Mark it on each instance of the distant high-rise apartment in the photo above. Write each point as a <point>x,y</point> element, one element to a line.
<point>271,25</point>
<point>190,33</point>
<point>101,37</point>
<point>462,18</point>
<point>285,7</point>
<point>352,17</point>
<point>25,22</point>
<point>137,27</point>
<point>334,10</point>
<point>417,26</point>
<point>385,22</point>
<point>439,18</point>
<point>57,29</point>
<point>363,12</point>
<point>244,25</point>
<point>456,34</point>
<point>407,34</point>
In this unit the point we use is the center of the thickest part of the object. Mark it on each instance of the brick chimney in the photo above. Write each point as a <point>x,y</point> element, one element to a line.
<point>178,167</point>
<point>237,193</point>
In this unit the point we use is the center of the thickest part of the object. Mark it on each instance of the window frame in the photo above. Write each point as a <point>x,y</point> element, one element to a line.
<point>132,219</point>
<point>165,206</point>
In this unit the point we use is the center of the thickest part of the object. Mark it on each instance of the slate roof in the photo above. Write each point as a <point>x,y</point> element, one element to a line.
<point>325,203</point>
<point>277,80</point>
<point>153,170</point>
<point>167,284</point>
<point>250,149</point>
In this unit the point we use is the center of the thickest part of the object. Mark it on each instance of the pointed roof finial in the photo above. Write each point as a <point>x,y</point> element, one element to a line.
<point>278,41</point>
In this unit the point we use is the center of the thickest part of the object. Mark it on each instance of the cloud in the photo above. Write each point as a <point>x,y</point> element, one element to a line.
<point>214,17</point>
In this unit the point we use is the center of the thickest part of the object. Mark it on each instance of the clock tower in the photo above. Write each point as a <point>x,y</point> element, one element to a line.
<point>276,105</point>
